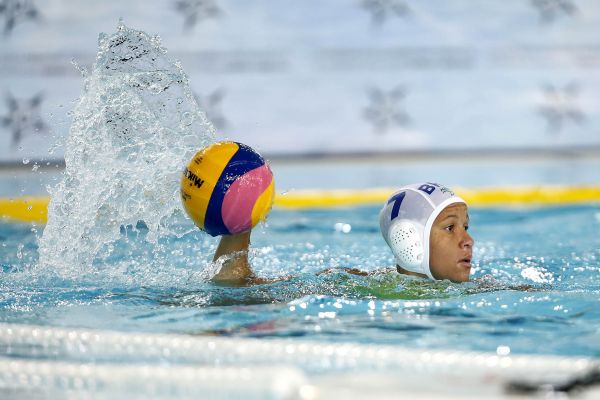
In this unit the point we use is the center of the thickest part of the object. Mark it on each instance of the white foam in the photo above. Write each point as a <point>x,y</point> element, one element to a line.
<point>135,126</point>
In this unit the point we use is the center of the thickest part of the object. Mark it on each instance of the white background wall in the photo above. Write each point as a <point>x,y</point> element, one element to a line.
<point>340,76</point>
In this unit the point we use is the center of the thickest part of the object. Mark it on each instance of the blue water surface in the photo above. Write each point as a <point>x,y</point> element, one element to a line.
<point>535,285</point>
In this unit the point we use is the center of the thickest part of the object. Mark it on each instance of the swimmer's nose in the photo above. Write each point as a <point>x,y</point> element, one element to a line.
<point>467,240</point>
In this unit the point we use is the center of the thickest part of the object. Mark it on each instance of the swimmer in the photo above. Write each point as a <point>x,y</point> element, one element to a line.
<point>426,226</point>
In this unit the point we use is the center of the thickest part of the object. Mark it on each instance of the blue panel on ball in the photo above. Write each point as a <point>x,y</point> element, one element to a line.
<point>244,160</point>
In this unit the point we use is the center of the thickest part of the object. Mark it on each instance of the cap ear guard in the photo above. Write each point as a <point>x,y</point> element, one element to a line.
<point>406,244</point>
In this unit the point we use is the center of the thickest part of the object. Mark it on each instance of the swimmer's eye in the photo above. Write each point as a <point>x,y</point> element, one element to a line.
<point>466,227</point>
<point>449,228</point>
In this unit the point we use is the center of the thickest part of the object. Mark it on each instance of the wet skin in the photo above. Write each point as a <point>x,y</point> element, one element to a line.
<point>450,245</point>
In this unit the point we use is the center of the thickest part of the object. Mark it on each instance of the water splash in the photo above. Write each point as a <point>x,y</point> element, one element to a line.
<point>134,127</point>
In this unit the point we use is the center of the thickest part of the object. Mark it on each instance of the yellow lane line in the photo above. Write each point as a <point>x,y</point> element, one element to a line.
<point>479,197</point>
<point>34,209</point>
<point>27,209</point>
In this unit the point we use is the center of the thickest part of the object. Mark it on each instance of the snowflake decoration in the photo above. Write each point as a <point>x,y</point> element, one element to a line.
<point>23,118</point>
<point>15,11</point>
<point>560,106</point>
<point>211,105</point>
<point>386,110</point>
<point>381,9</point>
<point>550,9</point>
<point>195,11</point>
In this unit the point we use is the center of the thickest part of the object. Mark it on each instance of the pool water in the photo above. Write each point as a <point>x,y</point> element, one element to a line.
<point>535,287</point>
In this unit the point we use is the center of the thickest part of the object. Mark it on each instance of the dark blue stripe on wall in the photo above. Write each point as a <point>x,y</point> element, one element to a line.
<point>244,160</point>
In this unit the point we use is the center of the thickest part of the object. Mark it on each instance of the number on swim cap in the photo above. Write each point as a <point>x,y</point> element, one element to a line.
<point>397,199</point>
<point>427,188</point>
<point>227,188</point>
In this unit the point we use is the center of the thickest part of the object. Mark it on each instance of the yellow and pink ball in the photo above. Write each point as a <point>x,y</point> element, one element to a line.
<point>227,188</point>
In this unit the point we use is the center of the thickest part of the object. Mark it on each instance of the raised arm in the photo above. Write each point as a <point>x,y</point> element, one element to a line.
<point>233,249</point>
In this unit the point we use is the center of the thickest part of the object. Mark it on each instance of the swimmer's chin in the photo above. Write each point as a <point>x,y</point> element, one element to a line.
<point>464,266</point>
<point>465,276</point>
<point>462,273</point>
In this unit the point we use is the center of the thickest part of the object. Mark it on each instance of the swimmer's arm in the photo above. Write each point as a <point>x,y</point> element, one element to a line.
<point>234,250</point>
<point>489,283</point>
<point>236,270</point>
<point>355,271</point>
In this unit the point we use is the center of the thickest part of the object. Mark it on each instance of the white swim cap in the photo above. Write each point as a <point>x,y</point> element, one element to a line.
<point>406,220</point>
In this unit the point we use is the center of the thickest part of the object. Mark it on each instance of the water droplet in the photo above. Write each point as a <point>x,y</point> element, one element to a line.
<point>20,251</point>
<point>342,227</point>
<point>155,40</point>
<point>503,350</point>
<point>187,118</point>
<point>82,70</point>
<point>155,88</point>
<point>26,161</point>
<point>102,38</point>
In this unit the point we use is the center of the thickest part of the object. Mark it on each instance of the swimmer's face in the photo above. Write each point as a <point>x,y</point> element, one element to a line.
<point>450,245</point>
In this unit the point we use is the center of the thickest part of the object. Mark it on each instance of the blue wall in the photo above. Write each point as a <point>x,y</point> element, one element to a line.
<point>293,76</point>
